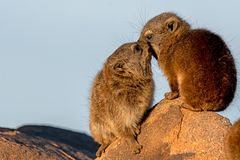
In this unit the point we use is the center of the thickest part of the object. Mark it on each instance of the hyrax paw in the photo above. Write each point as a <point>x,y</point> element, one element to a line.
<point>101,150</point>
<point>99,153</point>
<point>137,149</point>
<point>138,130</point>
<point>171,95</point>
<point>187,106</point>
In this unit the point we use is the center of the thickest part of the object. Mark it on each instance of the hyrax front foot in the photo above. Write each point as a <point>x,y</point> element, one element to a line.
<point>137,148</point>
<point>187,106</point>
<point>133,144</point>
<point>101,149</point>
<point>171,95</point>
<point>100,152</point>
<point>137,130</point>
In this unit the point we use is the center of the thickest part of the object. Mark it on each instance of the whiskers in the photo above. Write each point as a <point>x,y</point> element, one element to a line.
<point>136,26</point>
<point>139,22</point>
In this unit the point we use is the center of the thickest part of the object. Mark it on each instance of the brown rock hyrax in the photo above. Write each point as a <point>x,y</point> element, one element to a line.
<point>232,142</point>
<point>121,93</point>
<point>197,63</point>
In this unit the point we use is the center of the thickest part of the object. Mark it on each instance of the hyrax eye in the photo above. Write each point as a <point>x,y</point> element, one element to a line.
<point>137,49</point>
<point>148,35</point>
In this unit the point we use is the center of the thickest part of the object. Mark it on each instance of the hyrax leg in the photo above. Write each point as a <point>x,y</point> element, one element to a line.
<point>174,90</point>
<point>130,134</point>
<point>102,148</point>
<point>132,142</point>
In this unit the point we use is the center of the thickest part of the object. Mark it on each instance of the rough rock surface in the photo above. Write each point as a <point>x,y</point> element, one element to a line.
<point>45,143</point>
<point>170,132</point>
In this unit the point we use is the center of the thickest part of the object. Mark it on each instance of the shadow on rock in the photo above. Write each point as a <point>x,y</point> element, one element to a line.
<point>78,141</point>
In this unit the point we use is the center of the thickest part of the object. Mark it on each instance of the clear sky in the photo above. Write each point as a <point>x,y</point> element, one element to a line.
<point>50,51</point>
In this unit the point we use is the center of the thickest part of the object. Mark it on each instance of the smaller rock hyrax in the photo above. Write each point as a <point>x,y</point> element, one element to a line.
<point>232,142</point>
<point>197,63</point>
<point>121,93</point>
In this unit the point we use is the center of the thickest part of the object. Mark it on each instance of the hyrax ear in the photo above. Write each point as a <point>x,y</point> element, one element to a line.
<point>119,66</point>
<point>172,24</point>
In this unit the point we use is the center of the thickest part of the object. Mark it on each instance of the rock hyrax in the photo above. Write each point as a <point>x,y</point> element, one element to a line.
<point>232,142</point>
<point>197,63</point>
<point>121,93</point>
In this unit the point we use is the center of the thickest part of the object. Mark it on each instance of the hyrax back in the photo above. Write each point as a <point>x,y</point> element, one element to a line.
<point>121,93</point>
<point>197,63</point>
<point>232,142</point>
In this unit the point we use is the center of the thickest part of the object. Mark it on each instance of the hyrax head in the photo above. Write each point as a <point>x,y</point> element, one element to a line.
<point>162,31</point>
<point>131,60</point>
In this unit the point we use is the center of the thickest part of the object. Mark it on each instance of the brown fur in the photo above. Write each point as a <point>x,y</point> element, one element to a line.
<point>197,63</point>
<point>232,142</point>
<point>121,94</point>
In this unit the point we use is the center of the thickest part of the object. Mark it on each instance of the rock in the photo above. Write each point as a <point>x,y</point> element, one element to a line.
<point>232,142</point>
<point>170,132</point>
<point>45,143</point>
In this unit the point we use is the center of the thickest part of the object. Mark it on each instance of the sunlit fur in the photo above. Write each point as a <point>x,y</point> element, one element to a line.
<point>197,63</point>
<point>232,142</point>
<point>121,93</point>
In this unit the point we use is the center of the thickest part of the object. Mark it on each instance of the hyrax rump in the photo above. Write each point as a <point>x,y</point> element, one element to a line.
<point>232,142</point>
<point>197,63</point>
<point>121,93</point>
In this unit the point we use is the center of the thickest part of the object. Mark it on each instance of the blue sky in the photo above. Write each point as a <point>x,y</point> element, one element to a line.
<point>50,51</point>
